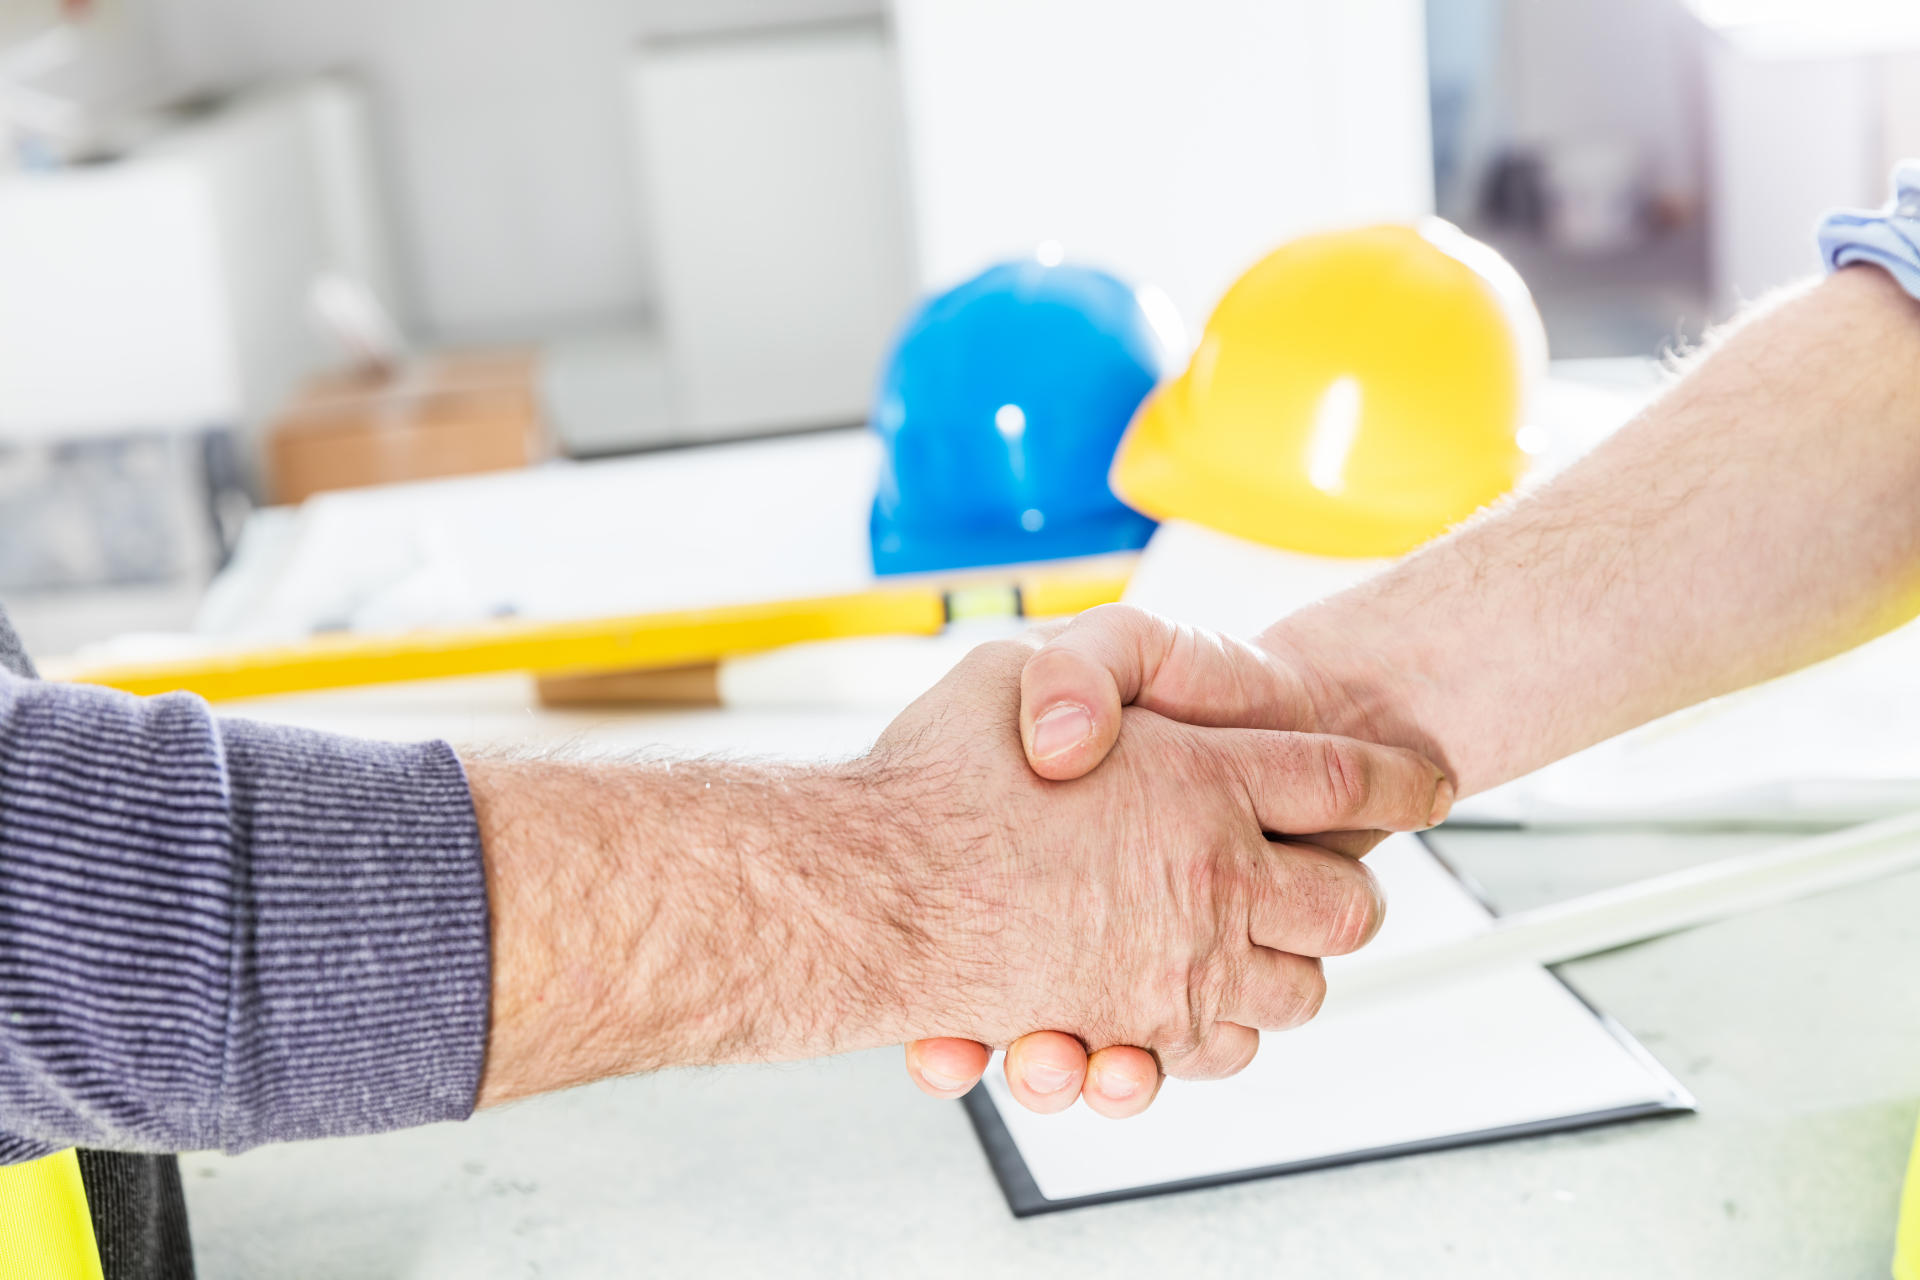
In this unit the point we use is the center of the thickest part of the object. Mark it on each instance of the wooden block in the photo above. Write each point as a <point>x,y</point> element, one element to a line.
<point>449,415</point>
<point>697,686</point>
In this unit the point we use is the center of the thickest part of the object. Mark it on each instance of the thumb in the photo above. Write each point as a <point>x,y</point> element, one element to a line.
<point>1073,687</point>
<point>1070,704</point>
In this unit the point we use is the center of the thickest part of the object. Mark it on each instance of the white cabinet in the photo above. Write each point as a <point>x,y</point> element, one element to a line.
<point>167,291</point>
<point>157,296</point>
<point>771,177</point>
<point>113,308</point>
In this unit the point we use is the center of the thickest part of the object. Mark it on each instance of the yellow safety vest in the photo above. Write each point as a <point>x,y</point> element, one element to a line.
<point>46,1230</point>
<point>1906,1249</point>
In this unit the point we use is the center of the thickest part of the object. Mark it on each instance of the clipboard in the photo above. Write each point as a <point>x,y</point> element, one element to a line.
<point>1509,1054</point>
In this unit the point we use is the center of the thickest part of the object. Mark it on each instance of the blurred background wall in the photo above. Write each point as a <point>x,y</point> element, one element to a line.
<point>1570,133</point>
<point>248,246</point>
<point>507,141</point>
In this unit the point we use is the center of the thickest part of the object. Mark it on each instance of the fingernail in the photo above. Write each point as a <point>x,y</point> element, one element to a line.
<point>1114,1086</point>
<point>944,1082</point>
<point>1442,802</point>
<point>1042,1078</point>
<point>1061,729</point>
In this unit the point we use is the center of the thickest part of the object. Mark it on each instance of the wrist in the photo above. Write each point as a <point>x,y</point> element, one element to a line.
<point>819,868</point>
<point>1353,691</point>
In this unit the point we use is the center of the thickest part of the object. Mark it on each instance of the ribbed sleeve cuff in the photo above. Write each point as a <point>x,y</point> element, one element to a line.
<point>220,933</point>
<point>361,953</point>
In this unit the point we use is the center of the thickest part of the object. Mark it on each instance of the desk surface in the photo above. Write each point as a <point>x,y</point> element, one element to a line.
<point>1797,1028</point>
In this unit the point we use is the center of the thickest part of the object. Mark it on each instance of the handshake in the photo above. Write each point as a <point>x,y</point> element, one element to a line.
<point>1118,846</point>
<point>1144,844</point>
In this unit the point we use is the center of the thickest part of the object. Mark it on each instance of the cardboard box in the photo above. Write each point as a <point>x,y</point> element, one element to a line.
<point>446,415</point>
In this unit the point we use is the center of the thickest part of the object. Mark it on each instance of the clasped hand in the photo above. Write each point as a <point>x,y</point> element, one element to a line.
<point>1168,858</point>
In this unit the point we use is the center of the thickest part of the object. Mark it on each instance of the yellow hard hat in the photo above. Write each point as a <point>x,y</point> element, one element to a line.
<point>1354,394</point>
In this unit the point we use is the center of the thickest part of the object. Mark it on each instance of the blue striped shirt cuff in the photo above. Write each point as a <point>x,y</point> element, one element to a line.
<point>1888,237</point>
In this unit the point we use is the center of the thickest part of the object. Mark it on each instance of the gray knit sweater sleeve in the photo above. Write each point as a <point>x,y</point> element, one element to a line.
<point>216,933</point>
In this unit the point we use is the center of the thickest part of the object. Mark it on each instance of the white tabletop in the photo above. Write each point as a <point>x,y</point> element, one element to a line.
<point>1797,1028</point>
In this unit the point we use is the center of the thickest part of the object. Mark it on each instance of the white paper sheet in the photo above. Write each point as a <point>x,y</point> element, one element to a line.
<point>1511,1050</point>
<point>685,529</point>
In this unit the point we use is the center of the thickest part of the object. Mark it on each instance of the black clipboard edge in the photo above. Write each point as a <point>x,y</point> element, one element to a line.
<point>1024,1198</point>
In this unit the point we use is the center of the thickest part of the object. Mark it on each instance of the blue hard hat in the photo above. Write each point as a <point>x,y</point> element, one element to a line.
<point>1001,410</point>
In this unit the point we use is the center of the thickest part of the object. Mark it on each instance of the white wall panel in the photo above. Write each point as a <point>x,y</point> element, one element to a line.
<point>772,161</point>
<point>504,131</point>
<point>1173,141</point>
<point>1790,140</point>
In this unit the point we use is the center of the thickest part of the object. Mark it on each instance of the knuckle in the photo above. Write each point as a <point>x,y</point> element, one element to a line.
<point>1292,996</point>
<point>1331,904</point>
<point>1191,1010</point>
<point>1357,912</point>
<point>1224,1051</point>
<point>1118,617</point>
<point>1202,887</point>
<point>1307,993</point>
<point>1181,1053</point>
<point>1345,777</point>
<point>995,665</point>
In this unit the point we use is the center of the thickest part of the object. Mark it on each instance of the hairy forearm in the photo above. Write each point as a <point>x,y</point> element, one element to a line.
<point>1761,516</point>
<point>656,915</point>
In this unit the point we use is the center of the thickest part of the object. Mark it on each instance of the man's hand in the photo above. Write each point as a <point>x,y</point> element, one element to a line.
<point>1077,690</point>
<point>1188,807</point>
<point>647,915</point>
